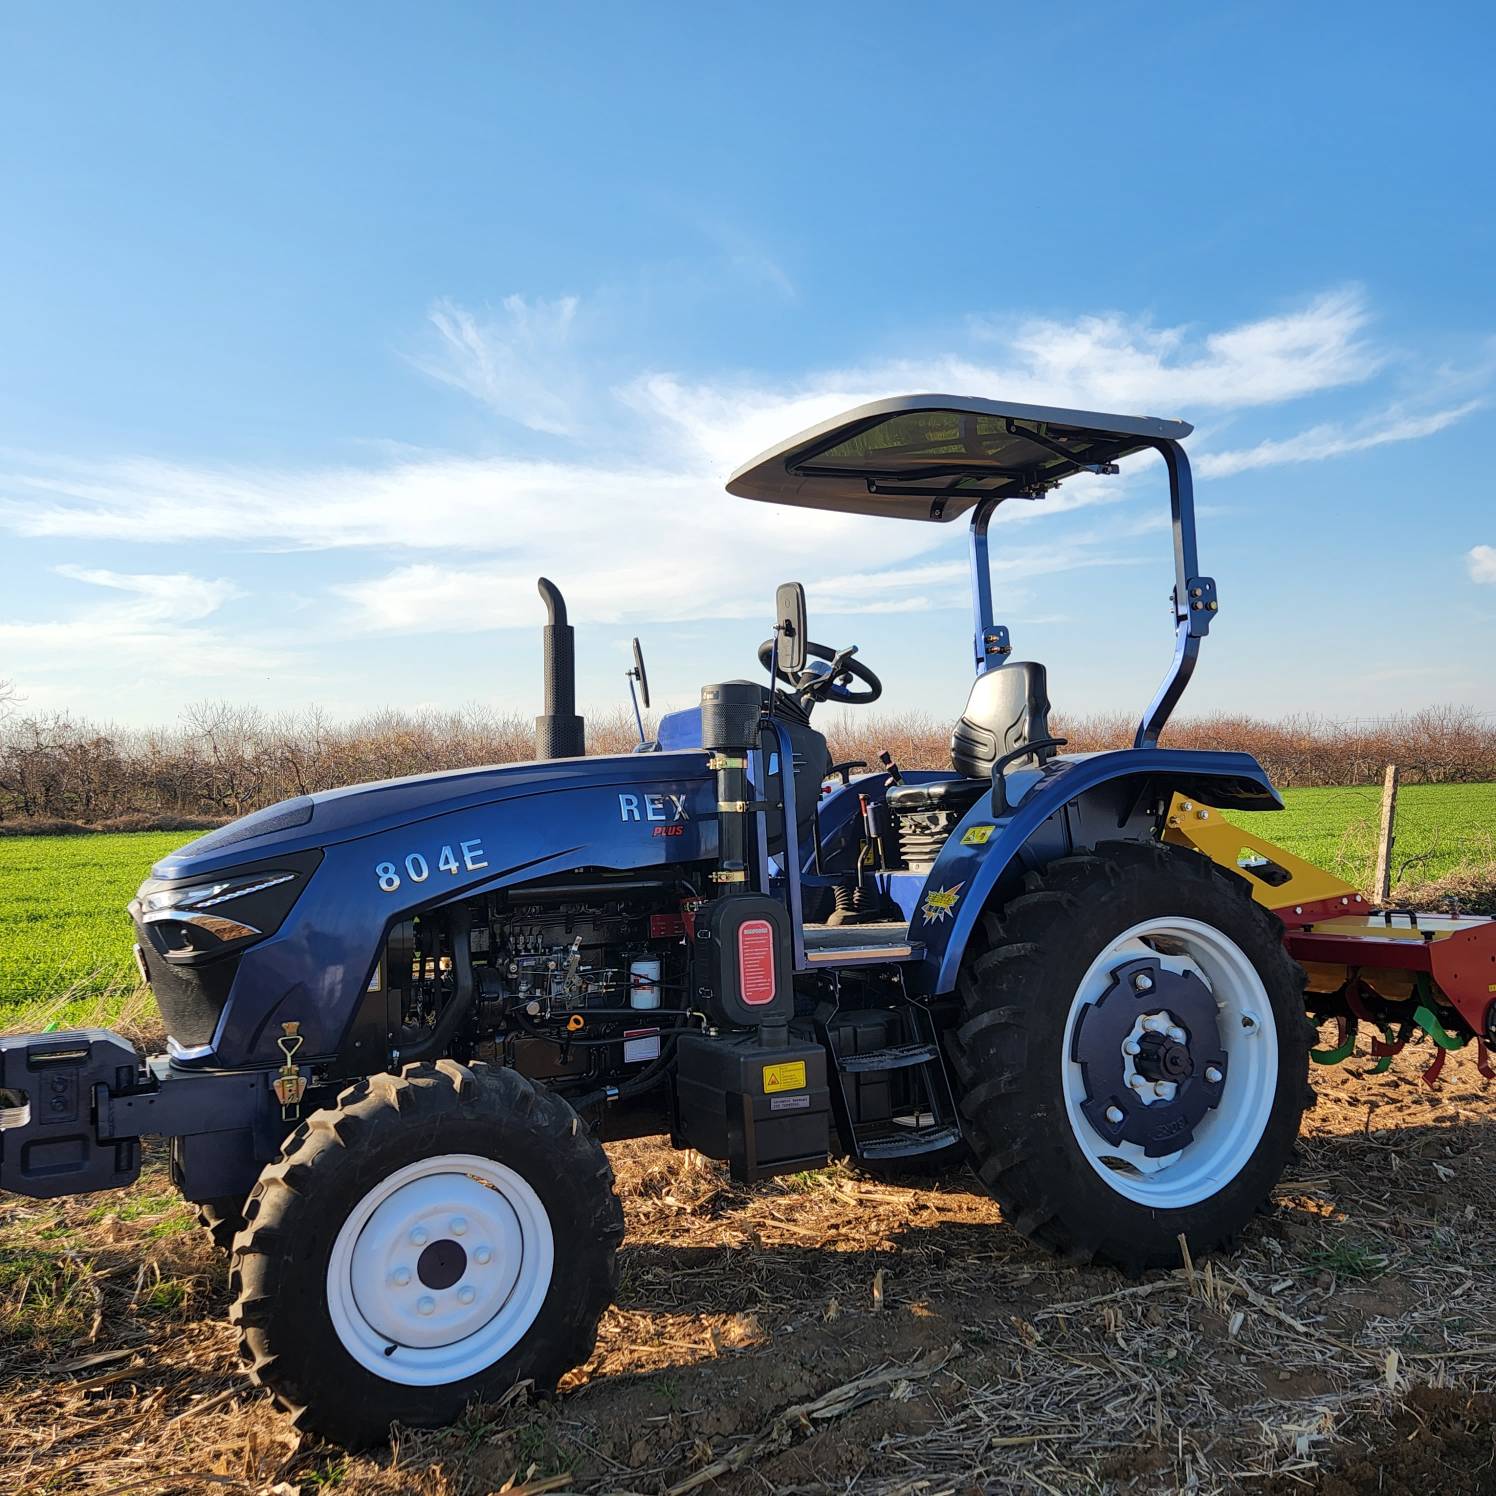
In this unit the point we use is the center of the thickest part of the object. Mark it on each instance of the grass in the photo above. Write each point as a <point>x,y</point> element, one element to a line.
<point>62,913</point>
<point>65,953</point>
<point>1440,828</point>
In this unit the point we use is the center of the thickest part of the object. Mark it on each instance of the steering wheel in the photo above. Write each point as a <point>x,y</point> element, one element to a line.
<point>828,676</point>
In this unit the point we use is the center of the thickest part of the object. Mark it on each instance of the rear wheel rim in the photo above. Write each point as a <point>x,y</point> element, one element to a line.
<point>1225,1140</point>
<point>440,1270</point>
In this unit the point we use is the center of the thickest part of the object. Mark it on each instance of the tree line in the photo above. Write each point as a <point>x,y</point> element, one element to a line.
<point>220,761</point>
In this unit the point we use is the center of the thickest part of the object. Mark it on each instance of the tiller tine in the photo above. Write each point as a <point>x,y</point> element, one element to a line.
<point>1345,1043</point>
<point>1483,1060</point>
<point>1436,1068</point>
<point>1384,1048</point>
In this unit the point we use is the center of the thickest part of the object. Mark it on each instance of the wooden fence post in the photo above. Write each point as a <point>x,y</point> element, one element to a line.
<point>1383,889</point>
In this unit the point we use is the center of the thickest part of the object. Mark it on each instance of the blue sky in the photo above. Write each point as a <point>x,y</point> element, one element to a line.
<point>325,329</point>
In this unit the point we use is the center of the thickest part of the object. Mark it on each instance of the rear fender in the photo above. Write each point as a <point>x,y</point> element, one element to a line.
<point>1076,801</point>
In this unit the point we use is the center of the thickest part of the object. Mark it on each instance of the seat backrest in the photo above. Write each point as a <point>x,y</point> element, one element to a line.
<point>1008,707</point>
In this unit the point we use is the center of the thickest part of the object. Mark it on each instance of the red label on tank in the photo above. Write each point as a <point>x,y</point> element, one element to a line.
<point>756,961</point>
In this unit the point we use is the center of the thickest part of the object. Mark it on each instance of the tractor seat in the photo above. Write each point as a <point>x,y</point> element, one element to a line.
<point>1008,707</point>
<point>944,794</point>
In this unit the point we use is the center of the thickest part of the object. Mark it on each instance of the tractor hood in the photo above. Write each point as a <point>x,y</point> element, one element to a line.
<point>363,810</point>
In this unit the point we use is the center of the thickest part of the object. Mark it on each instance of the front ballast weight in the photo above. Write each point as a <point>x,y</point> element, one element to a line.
<point>90,1099</point>
<point>49,1146</point>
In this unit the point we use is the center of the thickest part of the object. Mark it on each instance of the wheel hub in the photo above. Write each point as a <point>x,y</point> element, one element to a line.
<point>441,1264</point>
<point>436,1261</point>
<point>1151,1058</point>
<point>1160,1058</point>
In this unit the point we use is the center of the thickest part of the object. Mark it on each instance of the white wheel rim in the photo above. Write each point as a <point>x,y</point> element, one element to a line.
<point>1227,1136</point>
<point>440,1269</point>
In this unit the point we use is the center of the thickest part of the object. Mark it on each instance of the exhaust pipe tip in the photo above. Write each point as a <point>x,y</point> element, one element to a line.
<point>555,604</point>
<point>559,731</point>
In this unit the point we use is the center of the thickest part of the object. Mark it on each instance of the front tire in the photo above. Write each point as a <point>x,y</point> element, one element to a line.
<point>222,1219</point>
<point>1133,1054</point>
<point>435,1238</point>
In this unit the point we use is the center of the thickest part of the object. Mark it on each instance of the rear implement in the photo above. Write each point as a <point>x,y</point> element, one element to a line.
<point>1407,975</point>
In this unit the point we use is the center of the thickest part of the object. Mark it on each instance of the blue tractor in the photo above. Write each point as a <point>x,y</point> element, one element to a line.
<point>403,1015</point>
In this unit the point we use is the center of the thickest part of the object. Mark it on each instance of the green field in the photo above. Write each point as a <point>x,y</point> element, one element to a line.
<point>65,939</point>
<point>1440,827</point>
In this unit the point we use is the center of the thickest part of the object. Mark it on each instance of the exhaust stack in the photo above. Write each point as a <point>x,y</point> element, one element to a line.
<point>558,731</point>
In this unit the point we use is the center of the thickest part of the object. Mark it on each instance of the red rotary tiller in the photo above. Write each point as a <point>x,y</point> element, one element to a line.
<point>1404,974</point>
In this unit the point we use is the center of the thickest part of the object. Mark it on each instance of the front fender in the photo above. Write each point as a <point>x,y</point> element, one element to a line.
<point>1078,800</point>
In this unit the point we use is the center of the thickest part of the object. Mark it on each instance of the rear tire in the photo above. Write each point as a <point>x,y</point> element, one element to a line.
<point>1069,1133</point>
<point>432,1240</point>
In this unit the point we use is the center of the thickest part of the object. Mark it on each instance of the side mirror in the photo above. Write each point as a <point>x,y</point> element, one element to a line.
<point>640,676</point>
<point>789,627</point>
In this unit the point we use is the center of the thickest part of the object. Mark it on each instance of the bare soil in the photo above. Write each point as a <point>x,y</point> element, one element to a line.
<point>827,1333</point>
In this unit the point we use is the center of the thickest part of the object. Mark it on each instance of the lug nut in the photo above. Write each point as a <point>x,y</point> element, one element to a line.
<point>1114,1114</point>
<point>483,1255</point>
<point>425,1304</point>
<point>1161,1088</point>
<point>400,1277</point>
<point>1143,982</point>
<point>1213,1074</point>
<point>1132,1047</point>
<point>418,1236</point>
<point>1137,1082</point>
<point>466,1294</point>
<point>1177,1034</point>
<point>458,1226</point>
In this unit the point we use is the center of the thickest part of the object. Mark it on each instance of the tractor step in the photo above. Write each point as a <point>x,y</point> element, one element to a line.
<point>906,1142</point>
<point>897,1057</point>
<point>875,943</point>
<point>891,1097</point>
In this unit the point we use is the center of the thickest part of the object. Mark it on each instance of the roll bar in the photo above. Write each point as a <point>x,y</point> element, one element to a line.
<point>1194,598</point>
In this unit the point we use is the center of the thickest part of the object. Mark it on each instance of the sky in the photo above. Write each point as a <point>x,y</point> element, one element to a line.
<point>325,330</point>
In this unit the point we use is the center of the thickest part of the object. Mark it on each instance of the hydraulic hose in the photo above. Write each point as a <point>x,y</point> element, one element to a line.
<point>459,1005</point>
<point>645,1080</point>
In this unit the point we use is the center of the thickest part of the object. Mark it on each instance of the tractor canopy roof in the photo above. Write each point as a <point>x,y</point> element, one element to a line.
<point>933,457</point>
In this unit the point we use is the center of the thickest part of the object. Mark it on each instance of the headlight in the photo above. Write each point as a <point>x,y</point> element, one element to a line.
<point>152,896</point>
<point>188,920</point>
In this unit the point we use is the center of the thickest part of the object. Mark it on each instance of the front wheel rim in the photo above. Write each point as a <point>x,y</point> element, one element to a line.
<point>440,1270</point>
<point>1225,1139</point>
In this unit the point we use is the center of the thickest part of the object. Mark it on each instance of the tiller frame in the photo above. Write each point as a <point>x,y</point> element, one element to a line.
<point>1403,971</point>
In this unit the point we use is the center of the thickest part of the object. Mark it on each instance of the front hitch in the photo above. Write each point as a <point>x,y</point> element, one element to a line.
<point>74,1107</point>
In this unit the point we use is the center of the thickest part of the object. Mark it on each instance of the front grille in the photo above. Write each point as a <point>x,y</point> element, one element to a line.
<point>191,998</point>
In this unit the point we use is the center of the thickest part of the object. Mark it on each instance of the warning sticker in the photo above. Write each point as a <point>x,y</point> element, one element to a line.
<point>640,1044</point>
<point>977,836</point>
<point>787,1077</point>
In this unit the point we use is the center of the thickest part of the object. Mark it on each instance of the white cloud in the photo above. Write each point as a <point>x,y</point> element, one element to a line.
<point>1100,363</point>
<point>176,596</point>
<point>659,540</point>
<point>1481,559</point>
<point>1321,442</point>
<point>519,362</point>
<point>1117,363</point>
<point>155,621</point>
